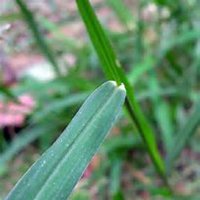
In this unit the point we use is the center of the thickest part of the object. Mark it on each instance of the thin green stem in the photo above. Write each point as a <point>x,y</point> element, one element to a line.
<point>113,70</point>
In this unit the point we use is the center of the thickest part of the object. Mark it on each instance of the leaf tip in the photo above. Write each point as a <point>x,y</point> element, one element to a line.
<point>122,87</point>
<point>114,83</point>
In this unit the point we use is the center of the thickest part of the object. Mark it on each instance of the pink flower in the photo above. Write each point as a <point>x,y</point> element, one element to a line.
<point>14,114</point>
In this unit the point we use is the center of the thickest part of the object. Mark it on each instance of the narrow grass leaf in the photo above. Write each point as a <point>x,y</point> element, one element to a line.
<point>122,12</point>
<point>56,173</point>
<point>140,69</point>
<point>183,137</point>
<point>8,93</point>
<point>10,17</point>
<point>162,113</point>
<point>59,105</point>
<point>115,177</point>
<point>26,136</point>
<point>70,44</point>
<point>180,40</point>
<point>44,47</point>
<point>114,71</point>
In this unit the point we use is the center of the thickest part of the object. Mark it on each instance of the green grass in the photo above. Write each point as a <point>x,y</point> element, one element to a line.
<point>114,71</point>
<point>156,58</point>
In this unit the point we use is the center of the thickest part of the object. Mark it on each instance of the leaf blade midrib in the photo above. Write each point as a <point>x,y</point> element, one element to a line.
<point>68,151</point>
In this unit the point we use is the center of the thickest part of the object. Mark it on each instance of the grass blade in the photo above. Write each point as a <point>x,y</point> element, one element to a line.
<point>45,49</point>
<point>115,186</point>
<point>27,136</point>
<point>183,137</point>
<point>162,114</point>
<point>122,12</point>
<point>55,174</point>
<point>9,18</point>
<point>8,93</point>
<point>114,71</point>
<point>59,105</point>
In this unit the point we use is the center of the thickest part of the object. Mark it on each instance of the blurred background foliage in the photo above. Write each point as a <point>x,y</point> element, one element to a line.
<point>48,67</point>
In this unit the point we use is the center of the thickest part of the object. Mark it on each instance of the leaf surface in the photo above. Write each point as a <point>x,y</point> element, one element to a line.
<point>56,173</point>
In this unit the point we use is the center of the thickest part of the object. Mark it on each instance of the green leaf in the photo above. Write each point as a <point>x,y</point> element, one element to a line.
<point>58,105</point>
<point>161,111</point>
<point>122,12</point>
<point>45,49</point>
<point>115,186</point>
<point>141,68</point>
<point>178,41</point>
<point>8,93</point>
<point>10,17</point>
<point>114,71</point>
<point>69,43</point>
<point>25,137</point>
<point>183,136</point>
<point>56,173</point>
